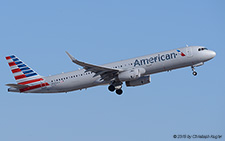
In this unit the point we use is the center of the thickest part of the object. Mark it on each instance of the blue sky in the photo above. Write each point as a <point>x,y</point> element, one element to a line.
<point>99,32</point>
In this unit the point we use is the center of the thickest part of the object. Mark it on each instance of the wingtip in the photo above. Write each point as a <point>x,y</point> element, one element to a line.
<point>71,57</point>
<point>67,52</point>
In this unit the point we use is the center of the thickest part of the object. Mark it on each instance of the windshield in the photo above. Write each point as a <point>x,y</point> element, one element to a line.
<point>201,49</point>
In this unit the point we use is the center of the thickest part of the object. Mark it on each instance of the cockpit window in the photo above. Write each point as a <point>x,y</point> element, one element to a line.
<point>201,49</point>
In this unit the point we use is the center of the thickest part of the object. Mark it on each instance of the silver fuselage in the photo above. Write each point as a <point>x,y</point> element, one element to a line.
<point>154,63</point>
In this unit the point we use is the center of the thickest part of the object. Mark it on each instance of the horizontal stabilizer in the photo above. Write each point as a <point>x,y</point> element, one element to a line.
<point>18,86</point>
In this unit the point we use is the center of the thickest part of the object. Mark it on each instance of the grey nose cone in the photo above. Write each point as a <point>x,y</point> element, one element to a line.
<point>212,54</point>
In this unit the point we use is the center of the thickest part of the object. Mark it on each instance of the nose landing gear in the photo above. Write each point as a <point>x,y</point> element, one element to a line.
<point>194,72</point>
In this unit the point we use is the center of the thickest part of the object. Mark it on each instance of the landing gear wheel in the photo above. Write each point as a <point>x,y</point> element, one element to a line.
<point>194,73</point>
<point>119,91</point>
<point>111,88</point>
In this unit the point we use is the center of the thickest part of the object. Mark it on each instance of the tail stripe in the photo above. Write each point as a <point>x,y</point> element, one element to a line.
<point>16,70</point>
<point>29,75</point>
<point>21,66</point>
<point>12,64</point>
<point>20,76</point>
<point>34,87</point>
<point>18,62</point>
<point>10,60</point>
<point>8,57</point>
<point>18,73</point>
<point>26,72</point>
<point>15,59</point>
<point>24,68</point>
<point>31,81</point>
<point>12,56</point>
<point>28,79</point>
<point>14,67</point>
<point>19,70</point>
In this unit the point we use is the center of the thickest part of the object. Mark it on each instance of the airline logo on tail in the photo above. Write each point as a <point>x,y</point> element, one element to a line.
<point>181,53</point>
<point>24,75</point>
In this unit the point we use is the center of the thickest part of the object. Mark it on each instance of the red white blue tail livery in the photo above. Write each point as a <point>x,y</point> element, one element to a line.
<point>26,78</point>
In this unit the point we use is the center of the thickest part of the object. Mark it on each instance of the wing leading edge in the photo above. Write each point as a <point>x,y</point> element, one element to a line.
<point>105,72</point>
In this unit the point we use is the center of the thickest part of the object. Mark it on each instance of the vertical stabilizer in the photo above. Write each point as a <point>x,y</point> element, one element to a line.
<point>23,74</point>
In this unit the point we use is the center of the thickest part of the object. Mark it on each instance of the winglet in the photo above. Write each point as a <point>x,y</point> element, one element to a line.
<point>71,57</point>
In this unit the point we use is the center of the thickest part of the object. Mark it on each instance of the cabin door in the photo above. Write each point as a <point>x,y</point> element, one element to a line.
<point>189,52</point>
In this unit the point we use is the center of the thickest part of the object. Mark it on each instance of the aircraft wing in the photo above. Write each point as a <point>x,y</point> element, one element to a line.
<point>105,72</point>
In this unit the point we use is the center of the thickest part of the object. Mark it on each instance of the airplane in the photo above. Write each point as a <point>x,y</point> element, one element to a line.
<point>134,72</point>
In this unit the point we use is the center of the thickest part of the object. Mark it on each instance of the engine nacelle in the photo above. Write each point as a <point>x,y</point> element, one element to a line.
<point>131,74</point>
<point>140,81</point>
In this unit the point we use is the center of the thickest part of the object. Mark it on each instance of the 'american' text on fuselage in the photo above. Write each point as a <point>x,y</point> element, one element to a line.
<point>152,60</point>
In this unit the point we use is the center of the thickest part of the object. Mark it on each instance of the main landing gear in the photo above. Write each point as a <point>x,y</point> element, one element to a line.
<point>119,91</point>
<point>116,86</point>
<point>194,72</point>
<point>111,88</point>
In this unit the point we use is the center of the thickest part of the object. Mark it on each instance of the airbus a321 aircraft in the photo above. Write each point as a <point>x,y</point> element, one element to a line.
<point>134,72</point>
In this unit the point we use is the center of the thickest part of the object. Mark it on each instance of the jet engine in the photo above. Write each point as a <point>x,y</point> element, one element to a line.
<point>131,74</point>
<point>140,81</point>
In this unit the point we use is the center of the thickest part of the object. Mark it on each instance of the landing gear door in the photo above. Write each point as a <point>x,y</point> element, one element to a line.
<point>189,52</point>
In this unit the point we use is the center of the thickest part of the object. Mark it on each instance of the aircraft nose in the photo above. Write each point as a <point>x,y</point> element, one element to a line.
<point>211,54</point>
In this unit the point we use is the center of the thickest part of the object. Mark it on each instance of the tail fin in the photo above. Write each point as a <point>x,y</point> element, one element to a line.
<point>23,74</point>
